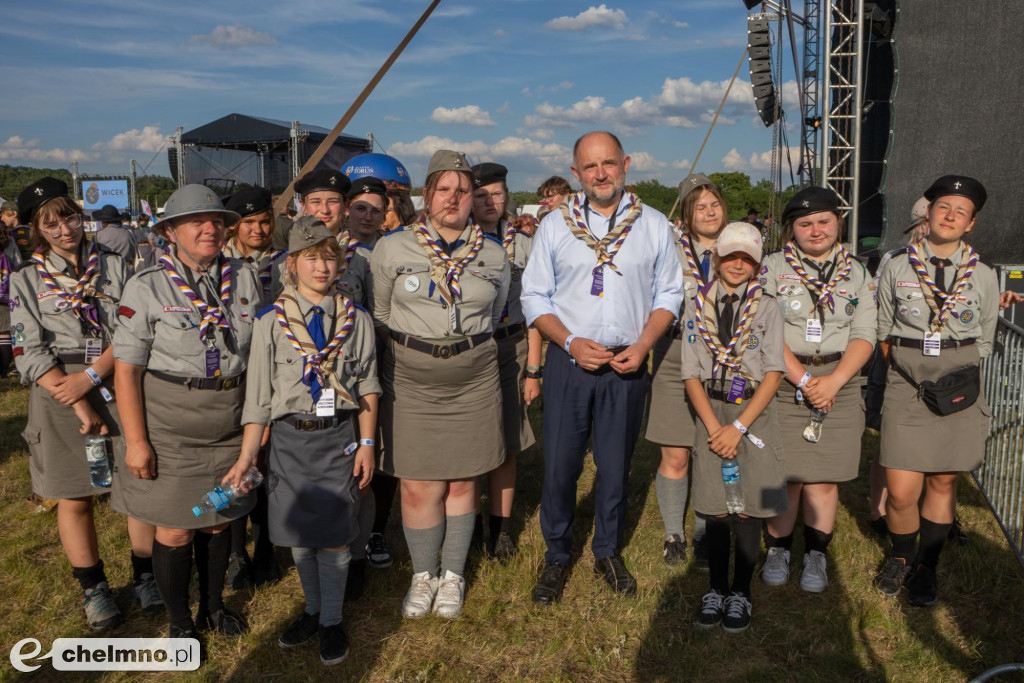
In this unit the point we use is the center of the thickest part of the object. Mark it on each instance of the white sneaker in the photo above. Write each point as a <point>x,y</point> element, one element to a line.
<point>450,594</point>
<point>420,596</point>
<point>815,577</point>
<point>775,571</point>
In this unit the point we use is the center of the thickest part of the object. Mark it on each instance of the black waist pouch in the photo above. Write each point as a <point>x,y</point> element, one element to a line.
<point>950,393</point>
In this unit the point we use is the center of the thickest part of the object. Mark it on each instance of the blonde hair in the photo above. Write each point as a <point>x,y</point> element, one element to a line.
<point>690,201</point>
<point>325,249</point>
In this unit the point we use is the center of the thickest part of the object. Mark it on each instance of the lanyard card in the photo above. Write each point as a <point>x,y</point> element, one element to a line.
<point>813,330</point>
<point>93,350</point>
<point>212,362</point>
<point>325,406</point>
<point>739,385</point>
<point>932,343</point>
<point>453,317</point>
<point>597,287</point>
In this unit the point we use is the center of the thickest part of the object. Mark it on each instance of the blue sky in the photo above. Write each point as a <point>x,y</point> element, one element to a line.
<point>515,81</point>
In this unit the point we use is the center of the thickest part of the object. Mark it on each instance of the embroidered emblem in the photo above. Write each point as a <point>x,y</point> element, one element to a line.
<point>966,316</point>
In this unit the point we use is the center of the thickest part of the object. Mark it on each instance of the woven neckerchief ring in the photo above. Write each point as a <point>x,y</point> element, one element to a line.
<point>931,291</point>
<point>445,269</point>
<point>609,245</point>
<point>75,299</point>
<point>211,315</point>
<point>824,290</point>
<point>732,355</point>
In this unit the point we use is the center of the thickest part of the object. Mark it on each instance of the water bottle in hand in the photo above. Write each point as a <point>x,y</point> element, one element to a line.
<point>731,480</point>
<point>812,432</point>
<point>221,497</point>
<point>99,462</point>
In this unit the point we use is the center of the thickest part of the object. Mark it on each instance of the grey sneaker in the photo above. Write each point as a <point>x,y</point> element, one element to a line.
<point>420,597</point>
<point>100,608</point>
<point>814,578</point>
<point>775,571</point>
<point>451,592</point>
<point>147,597</point>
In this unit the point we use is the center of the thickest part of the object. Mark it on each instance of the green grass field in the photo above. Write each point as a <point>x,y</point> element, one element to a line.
<point>850,632</point>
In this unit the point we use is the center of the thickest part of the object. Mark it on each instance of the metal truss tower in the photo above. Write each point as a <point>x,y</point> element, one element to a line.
<point>811,84</point>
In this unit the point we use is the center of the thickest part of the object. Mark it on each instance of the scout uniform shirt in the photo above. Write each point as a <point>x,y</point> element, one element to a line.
<point>904,312</point>
<point>518,252</point>
<point>356,282</point>
<point>269,267</point>
<point>158,326</point>
<point>407,300</point>
<point>275,388</point>
<point>853,315</point>
<point>42,327</point>
<point>691,283</point>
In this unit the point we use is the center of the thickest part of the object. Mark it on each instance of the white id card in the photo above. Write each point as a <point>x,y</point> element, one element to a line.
<point>453,317</point>
<point>325,406</point>
<point>93,350</point>
<point>932,343</point>
<point>813,330</point>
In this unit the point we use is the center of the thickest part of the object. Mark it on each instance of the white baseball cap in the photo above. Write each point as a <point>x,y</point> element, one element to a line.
<point>742,237</point>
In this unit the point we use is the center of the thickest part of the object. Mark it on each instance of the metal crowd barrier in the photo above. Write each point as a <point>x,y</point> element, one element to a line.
<point>1001,476</point>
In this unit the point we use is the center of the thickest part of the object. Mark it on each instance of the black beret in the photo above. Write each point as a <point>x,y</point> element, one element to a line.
<point>488,173</point>
<point>810,200</point>
<point>249,201</point>
<point>108,213</point>
<point>368,185</point>
<point>322,179</point>
<point>32,198</point>
<point>960,185</point>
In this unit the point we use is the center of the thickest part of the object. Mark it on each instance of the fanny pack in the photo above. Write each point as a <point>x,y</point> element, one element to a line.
<point>950,393</point>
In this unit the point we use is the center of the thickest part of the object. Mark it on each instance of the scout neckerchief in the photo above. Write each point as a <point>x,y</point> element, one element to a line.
<point>445,270</point>
<point>931,291</point>
<point>691,262</point>
<point>572,212</point>
<point>211,315</point>
<point>824,291</point>
<point>732,355</point>
<point>316,364</point>
<point>509,239</point>
<point>71,294</point>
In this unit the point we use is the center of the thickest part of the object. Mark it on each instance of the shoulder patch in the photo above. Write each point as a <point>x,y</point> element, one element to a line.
<point>264,311</point>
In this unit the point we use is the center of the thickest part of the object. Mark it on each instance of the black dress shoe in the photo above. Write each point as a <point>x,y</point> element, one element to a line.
<point>616,575</point>
<point>549,586</point>
<point>222,621</point>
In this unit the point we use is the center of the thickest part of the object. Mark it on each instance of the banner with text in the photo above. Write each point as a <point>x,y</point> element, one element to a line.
<point>98,193</point>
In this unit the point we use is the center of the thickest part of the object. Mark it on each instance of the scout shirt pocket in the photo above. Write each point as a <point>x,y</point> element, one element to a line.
<point>964,321</point>
<point>176,331</point>
<point>911,308</point>
<point>794,300</point>
<point>412,282</point>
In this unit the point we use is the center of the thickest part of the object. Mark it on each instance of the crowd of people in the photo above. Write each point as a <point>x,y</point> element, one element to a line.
<point>360,349</point>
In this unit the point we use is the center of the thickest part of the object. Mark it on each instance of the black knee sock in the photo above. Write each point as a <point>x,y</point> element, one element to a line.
<point>816,540</point>
<point>717,537</point>
<point>140,566</point>
<point>6,357</point>
<point>496,524</point>
<point>933,536</point>
<point>237,532</point>
<point>903,545</point>
<point>748,547</point>
<point>384,495</point>
<point>784,542</point>
<point>262,548</point>
<point>172,569</point>
<point>88,577</point>
<point>212,554</point>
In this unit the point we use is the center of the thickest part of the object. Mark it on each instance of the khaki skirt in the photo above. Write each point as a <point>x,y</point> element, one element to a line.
<point>836,456</point>
<point>197,437</point>
<point>670,419</point>
<point>762,470</point>
<point>916,439</point>
<point>57,449</point>
<point>512,369</point>
<point>441,417</point>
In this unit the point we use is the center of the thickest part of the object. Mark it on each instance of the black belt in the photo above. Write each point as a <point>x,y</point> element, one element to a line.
<point>440,350</point>
<point>316,424</point>
<point>723,394</point>
<point>919,343</point>
<point>206,383</point>
<point>819,359</point>
<point>616,349</point>
<point>510,331</point>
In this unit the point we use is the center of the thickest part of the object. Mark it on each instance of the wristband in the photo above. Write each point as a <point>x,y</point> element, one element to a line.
<point>533,368</point>
<point>568,342</point>
<point>366,442</point>
<point>95,378</point>
<point>739,425</point>
<point>534,374</point>
<point>803,380</point>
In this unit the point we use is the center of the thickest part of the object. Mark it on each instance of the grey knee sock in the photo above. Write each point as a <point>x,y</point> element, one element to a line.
<point>457,540</point>
<point>699,526</point>
<point>309,577</point>
<point>367,508</point>
<point>672,499</point>
<point>333,566</point>
<point>424,544</point>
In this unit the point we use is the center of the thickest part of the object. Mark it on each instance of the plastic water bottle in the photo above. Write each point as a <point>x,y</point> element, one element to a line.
<point>731,479</point>
<point>221,497</point>
<point>99,463</point>
<point>812,432</point>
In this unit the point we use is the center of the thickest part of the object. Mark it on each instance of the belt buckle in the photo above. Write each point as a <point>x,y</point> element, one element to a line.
<point>444,352</point>
<point>817,360</point>
<point>229,383</point>
<point>307,425</point>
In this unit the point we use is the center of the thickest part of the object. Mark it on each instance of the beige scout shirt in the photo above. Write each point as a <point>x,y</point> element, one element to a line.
<point>522,245</point>
<point>274,387</point>
<point>270,262</point>
<point>764,346</point>
<point>405,299</point>
<point>39,332</point>
<point>158,327</point>
<point>854,317</point>
<point>903,311</point>
<point>356,282</point>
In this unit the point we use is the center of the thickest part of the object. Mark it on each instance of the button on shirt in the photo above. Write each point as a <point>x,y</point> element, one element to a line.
<point>558,279</point>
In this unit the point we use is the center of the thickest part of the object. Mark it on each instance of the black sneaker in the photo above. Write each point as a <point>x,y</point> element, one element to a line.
<point>550,584</point>
<point>333,645</point>
<point>890,579</point>
<point>922,586</point>
<point>711,610</point>
<point>300,631</point>
<point>880,527</point>
<point>356,582</point>
<point>700,553</point>
<point>675,550</point>
<point>957,535</point>
<point>737,612</point>
<point>222,621</point>
<point>377,552</point>
<point>504,547</point>
<point>239,571</point>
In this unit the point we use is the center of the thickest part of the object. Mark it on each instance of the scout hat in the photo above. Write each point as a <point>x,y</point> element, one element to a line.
<point>810,200</point>
<point>249,201</point>
<point>918,213</point>
<point>322,179</point>
<point>693,182</point>
<point>191,200</point>
<point>32,198</point>
<point>447,160</point>
<point>368,185</point>
<point>488,173</point>
<point>307,231</point>
<point>742,237</point>
<point>9,206</point>
<point>107,214</point>
<point>960,185</point>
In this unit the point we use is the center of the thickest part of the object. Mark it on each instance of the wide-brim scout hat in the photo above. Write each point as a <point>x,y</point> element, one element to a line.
<point>489,173</point>
<point>959,185</point>
<point>740,237</point>
<point>368,185</point>
<point>9,206</point>
<point>32,198</point>
<point>692,182</point>
<point>447,160</point>
<point>108,213</point>
<point>191,200</point>
<point>918,213</point>
<point>306,232</point>
<point>249,201</point>
<point>323,180</point>
<point>810,200</point>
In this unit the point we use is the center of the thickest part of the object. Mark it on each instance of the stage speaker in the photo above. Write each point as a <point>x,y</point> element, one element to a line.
<point>759,53</point>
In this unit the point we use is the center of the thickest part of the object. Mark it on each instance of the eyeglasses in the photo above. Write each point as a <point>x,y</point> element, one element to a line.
<point>53,229</point>
<point>495,197</point>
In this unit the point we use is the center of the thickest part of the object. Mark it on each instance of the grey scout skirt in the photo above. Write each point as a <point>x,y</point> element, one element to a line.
<point>670,419</point>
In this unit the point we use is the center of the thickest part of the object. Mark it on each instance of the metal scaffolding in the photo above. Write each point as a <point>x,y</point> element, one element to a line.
<point>811,84</point>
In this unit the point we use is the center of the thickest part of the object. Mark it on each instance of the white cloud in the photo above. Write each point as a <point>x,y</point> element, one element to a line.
<point>644,162</point>
<point>734,161</point>
<point>551,155</point>
<point>470,115</point>
<point>15,148</point>
<point>680,24</point>
<point>392,118</point>
<point>149,139</point>
<point>600,16</point>
<point>682,165</point>
<point>233,36</point>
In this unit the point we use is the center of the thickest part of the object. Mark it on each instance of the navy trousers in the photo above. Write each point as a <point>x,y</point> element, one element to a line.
<point>577,405</point>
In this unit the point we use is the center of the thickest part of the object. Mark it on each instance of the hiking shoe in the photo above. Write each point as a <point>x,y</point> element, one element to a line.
<point>239,571</point>
<point>300,631</point>
<point>923,587</point>
<point>420,597</point>
<point>615,574</point>
<point>675,550</point>
<point>222,621</point>
<point>737,612</point>
<point>550,584</point>
<point>333,645</point>
<point>451,591</point>
<point>700,553</point>
<point>378,553</point>
<point>957,534</point>
<point>890,579</point>
<point>100,608</point>
<point>356,582</point>
<point>775,571</point>
<point>147,597</point>
<point>711,610</point>
<point>814,578</point>
<point>504,547</point>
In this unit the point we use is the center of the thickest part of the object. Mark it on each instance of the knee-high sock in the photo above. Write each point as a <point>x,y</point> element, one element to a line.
<point>716,536</point>
<point>424,545</point>
<point>172,569</point>
<point>212,554</point>
<point>367,509</point>
<point>384,495</point>
<point>748,545</point>
<point>457,539</point>
<point>933,537</point>
<point>309,576</point>
<point>673,495</point>
<point>333,566</point>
